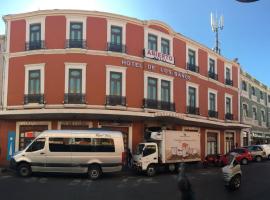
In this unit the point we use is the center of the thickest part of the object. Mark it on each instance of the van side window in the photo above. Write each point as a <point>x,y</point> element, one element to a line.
<point>37,145</point>
<point>59,144</point>
<point>83,145</point>
<point>104,145</point>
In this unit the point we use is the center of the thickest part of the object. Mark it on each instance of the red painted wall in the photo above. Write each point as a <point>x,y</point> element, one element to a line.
<point>134,39</point>
<point>55,32</point>
<point>17,35</point>
<point>179,51</point>
<point>203,64</point>
<point>96,32</point>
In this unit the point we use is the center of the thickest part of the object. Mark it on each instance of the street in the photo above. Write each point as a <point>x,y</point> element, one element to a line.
<point>207,185</point>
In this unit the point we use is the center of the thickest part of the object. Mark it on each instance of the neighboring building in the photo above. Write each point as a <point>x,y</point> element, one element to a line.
<point>2,47</point>
<point>70,69</point>
<point>254,104</point>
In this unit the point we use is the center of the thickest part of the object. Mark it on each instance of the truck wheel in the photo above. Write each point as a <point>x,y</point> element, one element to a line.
<point>258,158</point>
<point>24,170</point>
<point>94,172</point>
<point>244,161</point>
<point>235,183</point>
<point>151,170</point>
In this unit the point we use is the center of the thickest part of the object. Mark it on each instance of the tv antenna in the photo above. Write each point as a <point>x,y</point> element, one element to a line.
<point>217,24</point>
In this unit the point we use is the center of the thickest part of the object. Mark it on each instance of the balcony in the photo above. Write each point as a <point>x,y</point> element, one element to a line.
<point>33,98</point>
<point>213,75</point>
<point>229,82</point>
<point>193,110</point>
<point>193,68</point>
<point>229,116</point>
<point>116,47</point>
<point>35,45</point>
<point>114,100</point>
<point>213,113</point>
<point>75,43</point>
<point>74,98</point>
<point>160,105</point>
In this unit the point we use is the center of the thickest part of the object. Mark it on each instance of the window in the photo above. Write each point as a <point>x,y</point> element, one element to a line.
<point>228,73</point>
<point>93,145</point>
<point>149,149</point>
<point>253,92</point>
<point>245,110</point>
<point>261,94</point>
<point>212,66</point>
<point>152,88</point>
<point>268,98</point>
<point>34,82</point>
<point>254,111</point>
<point>244,85</point>
<point>165,91</point>
<point>60,144</point>
<point>228,105</point>
<point>263,115</point>
<point>191,57</point>
<point>211,143</point>
<point>212,101</point>
<point>35,33</point>
<point>229,140</point>
<point>76,31</point>
<point>75,81</point>
<point>38,144</point>
<point>152,42</point>
<point>116,83</point>
<point>116,35</point>
<point>165,46</point>
<point>192,97</point>
<point>104,145</point>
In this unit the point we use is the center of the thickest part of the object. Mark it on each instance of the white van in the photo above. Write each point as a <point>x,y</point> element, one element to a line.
<point>72,151</point>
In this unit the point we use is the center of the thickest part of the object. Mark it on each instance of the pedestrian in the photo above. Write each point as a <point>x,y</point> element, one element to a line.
<point>184,185</point>
<point>129,158</point>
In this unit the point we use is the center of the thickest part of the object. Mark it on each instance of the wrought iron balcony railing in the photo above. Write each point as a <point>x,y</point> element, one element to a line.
<point>213,113</point>
<point>33,98</point>
<point>160,105</point>
<point>74,98</point>
<point>114,100</point>
<point>116,47</point>
<point>229,116</point>
<point>75,43</point>
<point>193,68</point>
<point>228,82</point>
<point>193,110</point>
<point>34,45</point>
<point>213,75</point>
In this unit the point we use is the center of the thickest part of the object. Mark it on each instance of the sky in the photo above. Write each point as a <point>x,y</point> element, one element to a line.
<point>246,32</point>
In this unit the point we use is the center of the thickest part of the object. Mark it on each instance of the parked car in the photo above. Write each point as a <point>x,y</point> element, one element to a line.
<point>258,152</point>
<point>243,155</point>
<point>215,159</point>
<point>72,151</point>
<point>266,148</point>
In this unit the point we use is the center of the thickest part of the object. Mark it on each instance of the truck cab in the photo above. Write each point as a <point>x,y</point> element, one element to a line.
<point>146,157</point>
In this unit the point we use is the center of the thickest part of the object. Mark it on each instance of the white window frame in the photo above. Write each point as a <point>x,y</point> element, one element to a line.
<point>262,110</point>
<point>226,132</point>
<point>159,35</point>
<point>231,97</point>
<point>159,78</point>
<point>214,92</point>
<point>70,19</point>
<point>253,113</point>
<point>35,20</point>
<point>218,139</point>
<point>228,66</point>
<point>81,66</point>
<point>208,63</point>
<point>111,23</point>
<point>245,115</point>
<point>119,69</point>
<point>189,84</point>
<point>194,48</point>
<point>30,67</point>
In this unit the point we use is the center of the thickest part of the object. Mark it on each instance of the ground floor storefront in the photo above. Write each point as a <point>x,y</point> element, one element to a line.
<point>15,135</point>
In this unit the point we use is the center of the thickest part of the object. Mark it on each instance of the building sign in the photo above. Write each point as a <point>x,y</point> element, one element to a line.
<point>154,68</point>
<point>158,56</point>
<point>11,144</point>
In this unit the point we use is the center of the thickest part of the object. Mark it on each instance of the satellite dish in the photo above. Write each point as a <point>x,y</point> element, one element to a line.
<point>247,1</point>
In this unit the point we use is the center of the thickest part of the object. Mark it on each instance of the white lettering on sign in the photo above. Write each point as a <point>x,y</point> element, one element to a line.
<point>131,63</point>
<point>159,56</point>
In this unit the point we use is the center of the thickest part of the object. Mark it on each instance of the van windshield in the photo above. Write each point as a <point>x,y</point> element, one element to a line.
<point>139,149</point>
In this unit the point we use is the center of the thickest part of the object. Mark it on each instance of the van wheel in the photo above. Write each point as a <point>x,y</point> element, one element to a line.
<point>269,157</point>
<point>235,183</point>
<point>151,170</point>
<point>258,158</point>
<point>24,170</point>
<point>94,172</point>
<point>244,161</point>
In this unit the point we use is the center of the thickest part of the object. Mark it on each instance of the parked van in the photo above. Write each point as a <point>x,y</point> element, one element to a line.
<point>72,151</point>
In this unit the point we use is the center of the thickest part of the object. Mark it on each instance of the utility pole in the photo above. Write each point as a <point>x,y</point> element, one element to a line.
<point>217,24</point>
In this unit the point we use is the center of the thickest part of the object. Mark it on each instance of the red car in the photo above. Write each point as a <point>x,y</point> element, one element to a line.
<point>244,155</point>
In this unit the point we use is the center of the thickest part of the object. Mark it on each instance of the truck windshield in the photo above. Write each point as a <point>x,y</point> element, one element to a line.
<point>139,149</point>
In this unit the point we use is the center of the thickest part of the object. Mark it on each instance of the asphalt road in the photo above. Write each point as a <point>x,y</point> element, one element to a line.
<point>207,185</point>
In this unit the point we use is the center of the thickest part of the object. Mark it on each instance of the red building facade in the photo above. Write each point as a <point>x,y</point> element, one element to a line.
<point>69,69</point>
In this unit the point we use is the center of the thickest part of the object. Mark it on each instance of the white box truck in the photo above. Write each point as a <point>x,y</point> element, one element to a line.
<point>167,148</point>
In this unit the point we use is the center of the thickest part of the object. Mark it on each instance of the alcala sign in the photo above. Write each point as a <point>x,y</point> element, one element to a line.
<point>148,53</point>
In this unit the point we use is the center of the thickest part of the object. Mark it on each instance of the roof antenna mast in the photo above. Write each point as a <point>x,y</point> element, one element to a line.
<point>217,24</point>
